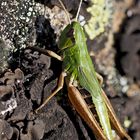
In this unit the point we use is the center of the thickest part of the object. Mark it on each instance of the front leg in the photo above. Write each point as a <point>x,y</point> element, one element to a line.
<point>46,52</point>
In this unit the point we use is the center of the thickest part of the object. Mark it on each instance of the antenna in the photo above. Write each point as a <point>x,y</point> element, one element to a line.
<point>65,11</point>
<point>78,10</point>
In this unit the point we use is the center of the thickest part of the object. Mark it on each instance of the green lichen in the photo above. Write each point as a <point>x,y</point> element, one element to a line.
<point>101,14</point>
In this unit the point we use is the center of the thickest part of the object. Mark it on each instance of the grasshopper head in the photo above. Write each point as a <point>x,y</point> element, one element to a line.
<point>71,35</point>
<point>67,37</point>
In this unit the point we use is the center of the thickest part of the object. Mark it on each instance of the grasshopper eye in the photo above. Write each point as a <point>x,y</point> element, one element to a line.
<point>70,35</point>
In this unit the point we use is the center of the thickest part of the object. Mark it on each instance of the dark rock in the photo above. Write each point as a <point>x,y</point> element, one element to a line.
<point>6,130</point>
<point>35,131</point>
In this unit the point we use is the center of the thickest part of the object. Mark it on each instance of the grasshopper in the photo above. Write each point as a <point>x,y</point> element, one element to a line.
<point>78,72</point>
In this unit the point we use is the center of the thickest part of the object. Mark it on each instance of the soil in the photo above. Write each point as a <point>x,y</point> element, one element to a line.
<point>28,77</point>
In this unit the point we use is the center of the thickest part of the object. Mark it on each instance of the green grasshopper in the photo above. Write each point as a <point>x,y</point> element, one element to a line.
<point>79,72</point>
